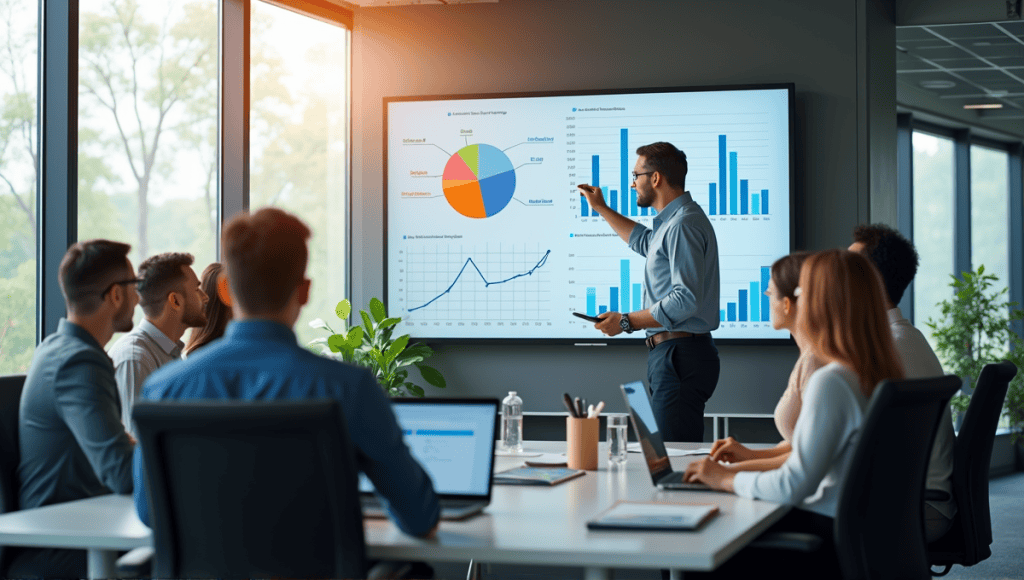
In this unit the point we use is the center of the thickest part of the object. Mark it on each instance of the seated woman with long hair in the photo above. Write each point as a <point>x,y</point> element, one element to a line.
<point>218,314</point>
<point>842,319</point>
<point>782,300</point>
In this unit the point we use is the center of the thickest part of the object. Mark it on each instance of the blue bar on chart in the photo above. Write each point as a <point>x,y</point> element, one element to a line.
<point>632,202</point>
<point>722,207</point>
<point>595,171</point>
<point>721,314</point>
<point>602,309</point>
<point>734,193</point>
<point>712,198</point>
<point>624,284</point>
<point>613,197</point>
<point>643,211</point>
<point>584,206</point>
<point>637,295</point>
<point>732,311</point>
<point>744,210</point>
<point>755,203</point>
<point>755,303</point>
<point>591,301</point>
<point>624,171</point>
<point>743,305</point>
<point>766,274</point>
<point>613,299</point>
<point>764,201</point>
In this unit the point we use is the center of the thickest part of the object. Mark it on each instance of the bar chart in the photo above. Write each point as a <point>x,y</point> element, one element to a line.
<point>731,195</point>
<point>624,297</point>
<point>623,199</point>
<point>748,304</point>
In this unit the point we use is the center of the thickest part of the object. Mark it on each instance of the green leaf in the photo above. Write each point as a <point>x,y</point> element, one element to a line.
<point>432,376</point>
<point>414,389</point>
<point>388,323</point>
<point>354,338</point>
<point>378,310</point>
<point>343,309</point>
<point>396,348</point>
<point>337,343</point>
<point>367,323</point>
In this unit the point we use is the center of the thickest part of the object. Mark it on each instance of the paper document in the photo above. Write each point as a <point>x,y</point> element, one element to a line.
<point>653,516</point>
<point>635,448</point>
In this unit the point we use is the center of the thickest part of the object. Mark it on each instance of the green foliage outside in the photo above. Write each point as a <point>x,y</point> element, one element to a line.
<point>372,345</point>
<point>974,329</point>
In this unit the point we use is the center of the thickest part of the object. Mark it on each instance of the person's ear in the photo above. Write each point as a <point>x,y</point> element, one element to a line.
<point>117,295</point>
<point>175,300</point>
<point>787,305</point>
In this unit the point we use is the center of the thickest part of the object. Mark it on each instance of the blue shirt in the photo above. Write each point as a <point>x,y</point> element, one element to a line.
<point>681,279</point>
<point>73,444</point>
<point>259,360</point>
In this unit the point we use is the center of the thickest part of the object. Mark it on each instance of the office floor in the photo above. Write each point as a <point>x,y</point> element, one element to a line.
<point>1006,498</point>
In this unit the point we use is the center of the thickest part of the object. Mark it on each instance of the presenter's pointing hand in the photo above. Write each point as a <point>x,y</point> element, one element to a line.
<point>593,194</point>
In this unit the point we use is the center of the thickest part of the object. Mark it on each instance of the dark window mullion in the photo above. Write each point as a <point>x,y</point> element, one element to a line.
<point>57,188</point>
<point>1016,241</point>
<point>905,194</point>
<point>233,113</point>
<point>962,202</point>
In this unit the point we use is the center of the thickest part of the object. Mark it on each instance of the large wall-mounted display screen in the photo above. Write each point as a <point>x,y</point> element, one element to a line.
<point>487,236</point>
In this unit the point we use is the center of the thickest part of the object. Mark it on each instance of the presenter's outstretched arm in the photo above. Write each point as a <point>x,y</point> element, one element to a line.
<point>620,223</point>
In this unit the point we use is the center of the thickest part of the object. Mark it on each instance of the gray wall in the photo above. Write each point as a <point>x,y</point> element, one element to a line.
<point>540,45</point>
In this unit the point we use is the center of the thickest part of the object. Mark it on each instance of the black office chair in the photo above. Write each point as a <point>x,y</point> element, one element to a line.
<point>10,454</point>
<point>879,523</point>
<point>251,490</point>
<point>968,540</point>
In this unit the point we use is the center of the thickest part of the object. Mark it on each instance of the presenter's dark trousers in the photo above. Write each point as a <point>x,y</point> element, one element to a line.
<point>683,374</point>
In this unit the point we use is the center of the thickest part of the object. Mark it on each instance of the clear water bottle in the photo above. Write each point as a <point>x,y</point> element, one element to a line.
<point>512,423</point>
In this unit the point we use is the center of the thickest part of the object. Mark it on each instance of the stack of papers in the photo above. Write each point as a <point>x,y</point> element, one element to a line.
<point>635,448</point>
<point>627,515</point>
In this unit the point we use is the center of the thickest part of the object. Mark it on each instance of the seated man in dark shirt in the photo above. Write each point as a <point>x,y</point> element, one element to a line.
<point>258,359</point>
<point>73,444</point>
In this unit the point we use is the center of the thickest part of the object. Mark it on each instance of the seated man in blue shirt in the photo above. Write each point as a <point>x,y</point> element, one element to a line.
<point>258,359</point>
<point>72,442</point>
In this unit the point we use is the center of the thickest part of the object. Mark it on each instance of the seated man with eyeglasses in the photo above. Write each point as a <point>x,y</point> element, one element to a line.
<point>73,444</point>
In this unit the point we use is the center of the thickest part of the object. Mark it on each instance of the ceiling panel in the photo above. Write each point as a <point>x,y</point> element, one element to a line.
<point>959,88</point>
<point>905,61</point>
<point>940,53</point>
<point>967,31</point>
<point>1015,28</point>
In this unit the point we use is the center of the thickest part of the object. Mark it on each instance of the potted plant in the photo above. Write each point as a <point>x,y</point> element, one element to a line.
<point>372,345</point>
<point>975,329</point>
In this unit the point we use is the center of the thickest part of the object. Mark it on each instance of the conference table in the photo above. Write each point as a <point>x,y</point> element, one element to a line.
<point>523,525</point>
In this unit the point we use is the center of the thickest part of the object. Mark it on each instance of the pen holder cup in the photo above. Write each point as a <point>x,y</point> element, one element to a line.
<point>581,437</point>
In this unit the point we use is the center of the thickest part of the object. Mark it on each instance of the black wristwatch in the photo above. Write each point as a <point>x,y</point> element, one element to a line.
<point>625,325</point>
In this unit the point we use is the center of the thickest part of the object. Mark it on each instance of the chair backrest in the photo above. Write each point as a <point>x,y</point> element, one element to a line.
<point>10,454</point>
<point>879,526</point>
<point>967,543</point>
<point>251,490</point>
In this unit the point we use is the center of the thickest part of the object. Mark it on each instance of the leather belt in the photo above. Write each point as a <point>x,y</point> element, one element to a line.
<point>656,339</point>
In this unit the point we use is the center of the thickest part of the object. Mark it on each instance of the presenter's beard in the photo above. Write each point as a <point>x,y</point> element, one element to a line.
<point>644,198</point>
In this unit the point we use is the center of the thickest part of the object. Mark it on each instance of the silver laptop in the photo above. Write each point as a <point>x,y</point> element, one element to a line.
<point>649,435</point>
<point>453,439</point>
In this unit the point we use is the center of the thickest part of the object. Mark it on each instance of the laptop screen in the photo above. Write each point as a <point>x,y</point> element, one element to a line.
<point>647,431</point>
<point>452,439</point>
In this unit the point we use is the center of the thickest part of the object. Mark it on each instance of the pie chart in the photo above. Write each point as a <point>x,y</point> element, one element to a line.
<point>478,181</point>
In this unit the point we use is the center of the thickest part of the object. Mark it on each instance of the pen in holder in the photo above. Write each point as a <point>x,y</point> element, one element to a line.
<point>581,437</point>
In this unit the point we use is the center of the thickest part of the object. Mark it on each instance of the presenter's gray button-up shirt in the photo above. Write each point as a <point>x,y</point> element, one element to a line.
<point>136,355</point>
<point>681,278</point>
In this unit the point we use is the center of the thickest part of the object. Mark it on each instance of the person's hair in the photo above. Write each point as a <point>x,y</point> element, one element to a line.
<point>893,255</point>
<point>161,274</point>
<point>843,317</point>
<point>786,274</point>
<point>218,314</point>
<point>667,160</point>
<point>265,256</point>
<point>87,269</point>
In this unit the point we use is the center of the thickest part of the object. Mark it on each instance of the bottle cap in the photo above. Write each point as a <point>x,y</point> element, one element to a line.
<point>511,393</point>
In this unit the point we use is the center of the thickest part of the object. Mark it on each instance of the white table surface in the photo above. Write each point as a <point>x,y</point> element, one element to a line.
<point>523,525</point>
<point>547,525</point>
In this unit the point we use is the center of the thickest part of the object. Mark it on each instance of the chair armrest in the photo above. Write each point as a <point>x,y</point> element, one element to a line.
<point>936,495</point>
<point>137,563</point>
<point>792,541</point>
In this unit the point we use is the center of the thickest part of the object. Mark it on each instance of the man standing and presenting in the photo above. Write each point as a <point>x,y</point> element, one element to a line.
<point>72,442</point>
<point>681,290</point>
<point>259,359</point>
<point>173,302</point>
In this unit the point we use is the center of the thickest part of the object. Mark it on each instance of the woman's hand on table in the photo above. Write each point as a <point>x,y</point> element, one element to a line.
<point>730,450</point>
<point>710,472</point>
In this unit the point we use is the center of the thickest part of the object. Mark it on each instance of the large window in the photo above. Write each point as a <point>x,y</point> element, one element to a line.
<point>990,223</point>
<point>933,223</point>
<point>299,131</point>
<point>18,177</point>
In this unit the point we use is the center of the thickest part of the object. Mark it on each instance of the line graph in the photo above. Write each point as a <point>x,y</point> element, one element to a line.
<point>476,283</point>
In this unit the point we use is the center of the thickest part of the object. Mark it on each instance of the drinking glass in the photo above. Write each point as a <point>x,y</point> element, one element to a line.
<point>618,426</point>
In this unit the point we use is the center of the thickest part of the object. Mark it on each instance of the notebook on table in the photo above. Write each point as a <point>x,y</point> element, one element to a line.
<point>453,439</point>
<point>653,516</point>
<point>647,432</point>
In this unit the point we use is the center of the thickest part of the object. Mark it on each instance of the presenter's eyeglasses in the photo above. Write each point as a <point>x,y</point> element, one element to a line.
<point>635,174</point>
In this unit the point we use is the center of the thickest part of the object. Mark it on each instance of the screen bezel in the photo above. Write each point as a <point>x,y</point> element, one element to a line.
<point>597,341</point>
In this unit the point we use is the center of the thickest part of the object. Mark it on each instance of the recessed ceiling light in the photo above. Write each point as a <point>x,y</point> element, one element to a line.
<point>938,84</point>
<point>983,43</point>
<point>997,94</point>
<point>985,106</point>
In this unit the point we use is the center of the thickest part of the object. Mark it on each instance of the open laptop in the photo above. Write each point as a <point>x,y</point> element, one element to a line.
<point>648,433</point>
<point>453,439</point>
